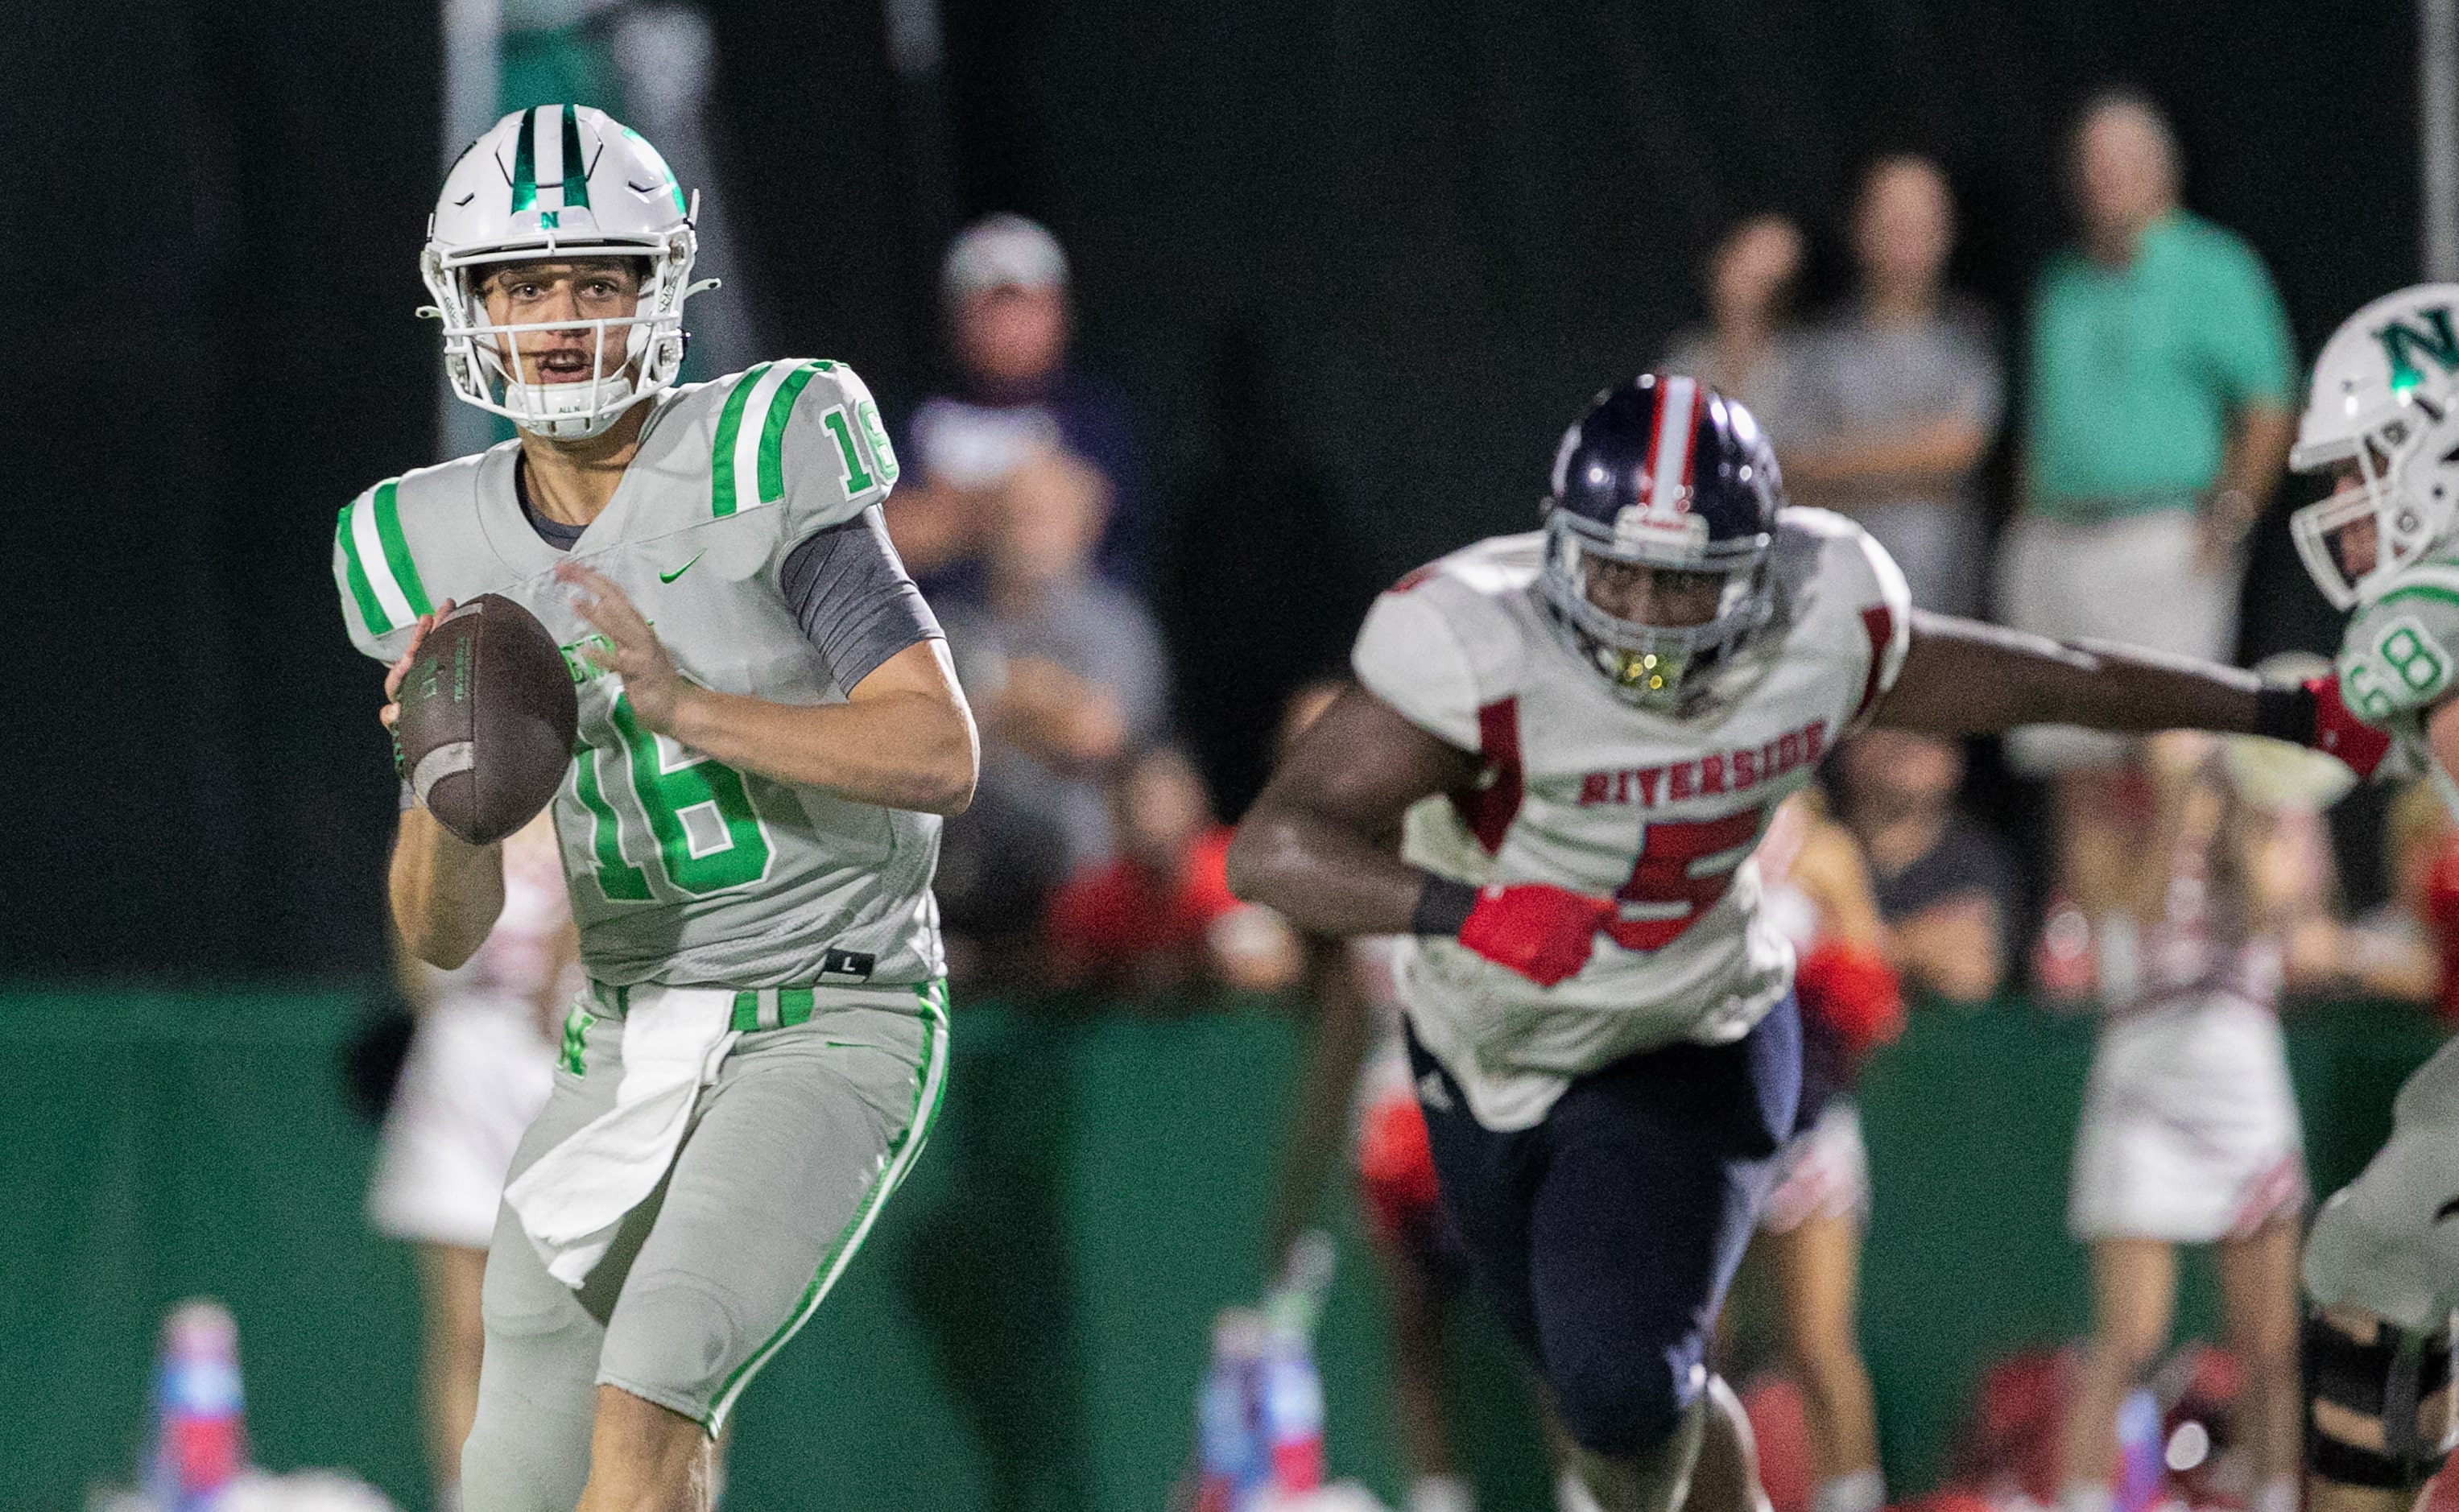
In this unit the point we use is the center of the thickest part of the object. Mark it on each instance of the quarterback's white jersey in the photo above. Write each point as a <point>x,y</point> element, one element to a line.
<point>1583,790</point>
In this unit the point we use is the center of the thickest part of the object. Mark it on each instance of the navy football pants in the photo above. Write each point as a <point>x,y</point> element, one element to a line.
<point>1607,1233</point>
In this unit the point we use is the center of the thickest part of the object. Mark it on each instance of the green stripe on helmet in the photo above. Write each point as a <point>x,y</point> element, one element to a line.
<point>370,611</point>
<point>729,424</point>
<point>575,171</point>
<point>396,548</point>
<point>525,165</point>
<point>772,436</point>
<point>666,175</point>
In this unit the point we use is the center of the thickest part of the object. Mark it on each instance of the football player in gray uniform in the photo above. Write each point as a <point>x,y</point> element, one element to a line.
<point>770,730</point>
<point>2382,1264</point>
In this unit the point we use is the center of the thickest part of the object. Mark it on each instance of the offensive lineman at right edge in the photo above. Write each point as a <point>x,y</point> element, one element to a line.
<point>1562,754</point>
<point>2382,1264</point>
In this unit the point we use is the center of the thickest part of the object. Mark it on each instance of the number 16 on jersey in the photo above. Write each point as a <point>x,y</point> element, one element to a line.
<point>690,816</point>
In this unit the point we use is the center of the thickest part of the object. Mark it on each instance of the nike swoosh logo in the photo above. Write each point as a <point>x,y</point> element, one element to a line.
<point>2447,1210</point>
<point>667,577</point>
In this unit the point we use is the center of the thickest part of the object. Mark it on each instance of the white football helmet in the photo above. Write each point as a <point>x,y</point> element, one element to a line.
<point>560,181</point>
<point>2386,397</point>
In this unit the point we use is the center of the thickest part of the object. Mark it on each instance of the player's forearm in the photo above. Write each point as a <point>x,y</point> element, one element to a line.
<point>899,749</point>
<point>1321,874</point>
<point>1964,677</point>
<point>446,893</point>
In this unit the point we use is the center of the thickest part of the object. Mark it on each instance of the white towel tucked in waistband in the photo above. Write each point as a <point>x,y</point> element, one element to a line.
<point>572,1199</point>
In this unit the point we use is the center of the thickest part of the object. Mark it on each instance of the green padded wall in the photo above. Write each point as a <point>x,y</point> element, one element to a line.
<point>1026,1326</point>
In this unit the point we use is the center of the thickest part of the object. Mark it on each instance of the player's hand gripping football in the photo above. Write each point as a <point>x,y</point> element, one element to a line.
<point>652,683</point>
<point>391,714</point>
<point>1543,933</point>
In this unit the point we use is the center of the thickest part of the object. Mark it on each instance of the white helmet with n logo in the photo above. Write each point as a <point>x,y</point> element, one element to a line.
<point>560,181</point>
<point>2384,403</point>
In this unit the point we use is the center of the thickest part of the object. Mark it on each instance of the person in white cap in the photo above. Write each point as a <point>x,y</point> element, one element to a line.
<point>1018,418</point>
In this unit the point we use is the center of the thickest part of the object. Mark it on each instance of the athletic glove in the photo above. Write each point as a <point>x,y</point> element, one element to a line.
<point>1543,933</point>
<point>1853,991</point>
<point>2314,715</point>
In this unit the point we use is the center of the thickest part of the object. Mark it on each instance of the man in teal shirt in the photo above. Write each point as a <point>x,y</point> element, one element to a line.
<point>2163,382</point>
<point>2163,388</point>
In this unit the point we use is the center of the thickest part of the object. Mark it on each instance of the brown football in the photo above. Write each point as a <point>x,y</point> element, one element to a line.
<point>487,719</point>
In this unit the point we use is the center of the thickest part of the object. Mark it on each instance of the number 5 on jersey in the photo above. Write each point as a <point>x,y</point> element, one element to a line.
<point>693,812</point>
<point>1684,868</point>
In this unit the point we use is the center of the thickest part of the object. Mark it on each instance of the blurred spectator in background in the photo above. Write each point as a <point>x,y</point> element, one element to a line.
<point>1946,886</point>
<point>1898,399</point>
<point>2190,1133</point>
<point>480,1067</point>
<point>1746,349</point>
<point>2409,946</point>
<point>1020,418</point>
<point>1159,914</point>
<point>1817,892</point>
<point>1068,685</point>
<point>2160,384</point>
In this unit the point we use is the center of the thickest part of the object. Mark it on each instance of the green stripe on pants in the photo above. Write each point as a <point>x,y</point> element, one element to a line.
<point>930,1083</point>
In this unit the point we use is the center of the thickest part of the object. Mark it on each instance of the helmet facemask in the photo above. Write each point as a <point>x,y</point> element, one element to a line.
<point>633,356</point>
<point>1675,670</point>
<point>2406,487</point>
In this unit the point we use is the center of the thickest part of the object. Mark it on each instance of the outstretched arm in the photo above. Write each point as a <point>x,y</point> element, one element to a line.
<point>1321,844</point>
<point>1964,677</point>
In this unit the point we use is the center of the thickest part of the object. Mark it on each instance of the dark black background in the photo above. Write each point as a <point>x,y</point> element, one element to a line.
<point>1356,264</point>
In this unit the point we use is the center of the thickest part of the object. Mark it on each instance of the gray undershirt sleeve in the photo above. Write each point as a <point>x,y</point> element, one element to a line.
<point>852,597</point>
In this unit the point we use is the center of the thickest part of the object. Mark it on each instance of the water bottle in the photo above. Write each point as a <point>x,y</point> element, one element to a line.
<point>2141,1445</point>
<point>1293,1412</point>
<point>1235,1471</point>
<point>199,1444</point>
<point>1292,1390</point>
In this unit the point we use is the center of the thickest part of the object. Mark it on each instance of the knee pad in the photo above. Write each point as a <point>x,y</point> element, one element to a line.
<point>675,1342</point>
<point>2385,1381</point>
<point>1623,1407</point>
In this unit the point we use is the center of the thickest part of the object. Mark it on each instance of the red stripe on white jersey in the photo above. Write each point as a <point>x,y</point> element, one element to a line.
<point>1488,806</point>
<point>1669,452</point>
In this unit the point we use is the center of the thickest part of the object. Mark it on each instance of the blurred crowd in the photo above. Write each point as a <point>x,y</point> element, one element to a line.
<point>2158,385</point>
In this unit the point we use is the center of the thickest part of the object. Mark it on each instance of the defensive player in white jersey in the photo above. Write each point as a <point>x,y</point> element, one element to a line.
<point>769,731</point>
<point>2382,1264</point>
<point>1559,754</point>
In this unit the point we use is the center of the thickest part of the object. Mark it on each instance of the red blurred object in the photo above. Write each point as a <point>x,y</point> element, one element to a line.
<point>1115,919</point>
<point>2442,915</point>
<point>207,1450</point>
<point>1853,992</point>
<point>2341,732</point>
<point>1396,1165</point>
<point>2442,1492</point>
<point>1773,1403</point>
<point>2010,1442</point>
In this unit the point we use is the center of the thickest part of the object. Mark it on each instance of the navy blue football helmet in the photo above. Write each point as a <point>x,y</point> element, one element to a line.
<point>1665,473</point>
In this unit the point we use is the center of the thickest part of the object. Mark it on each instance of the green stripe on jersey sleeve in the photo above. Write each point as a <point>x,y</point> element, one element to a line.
<point>370,613</point>
<point>396,548</point>
<point>772,434</point>
<point>729,425</point>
